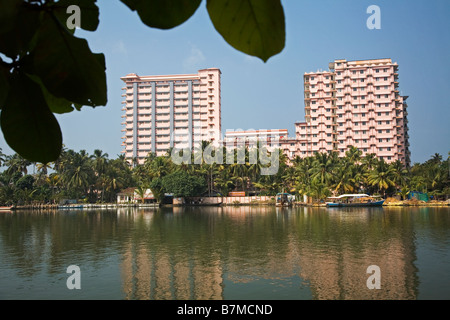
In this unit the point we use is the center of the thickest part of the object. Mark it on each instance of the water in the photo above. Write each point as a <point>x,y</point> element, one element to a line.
<point>226,253</point>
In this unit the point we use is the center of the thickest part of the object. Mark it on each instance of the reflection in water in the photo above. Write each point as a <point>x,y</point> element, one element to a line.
<point>224,252</point>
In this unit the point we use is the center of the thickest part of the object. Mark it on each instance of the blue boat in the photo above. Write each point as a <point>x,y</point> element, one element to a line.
<point>70,207</point>
<point>355,200</point>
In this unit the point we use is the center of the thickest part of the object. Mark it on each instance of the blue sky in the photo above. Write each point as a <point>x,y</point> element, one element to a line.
<point>257,95</point>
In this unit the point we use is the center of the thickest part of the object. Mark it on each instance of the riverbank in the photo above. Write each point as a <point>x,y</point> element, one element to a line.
<point>390,202</point>
<point>414,203</point>
<point>86,206</point>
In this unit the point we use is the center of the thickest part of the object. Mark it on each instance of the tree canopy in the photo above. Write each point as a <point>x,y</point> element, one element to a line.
<point>49,70</point>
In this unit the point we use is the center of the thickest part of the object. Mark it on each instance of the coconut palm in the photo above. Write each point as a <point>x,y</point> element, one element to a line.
<point>382,177</point>
<point>323,167</point>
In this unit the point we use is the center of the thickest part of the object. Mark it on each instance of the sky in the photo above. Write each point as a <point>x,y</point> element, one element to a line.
<point>258,95</point>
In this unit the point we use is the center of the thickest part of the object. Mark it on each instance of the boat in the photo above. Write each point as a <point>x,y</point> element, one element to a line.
<point>7,208</point>
<point>355,200</point>
<point>70,207</point>
<point>284,200</point>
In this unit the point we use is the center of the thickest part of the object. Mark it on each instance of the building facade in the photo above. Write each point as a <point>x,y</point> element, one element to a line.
<point>170,111</point>
<point>271,138</point>
<point>355,103</point>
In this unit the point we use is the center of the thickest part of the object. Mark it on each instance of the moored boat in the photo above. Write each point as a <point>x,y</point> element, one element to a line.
<point>284,200</point>
<point>355,200</point>
<point>7,208</point>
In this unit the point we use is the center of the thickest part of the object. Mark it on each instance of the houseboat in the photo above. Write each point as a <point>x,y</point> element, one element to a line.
<point>355,200</point>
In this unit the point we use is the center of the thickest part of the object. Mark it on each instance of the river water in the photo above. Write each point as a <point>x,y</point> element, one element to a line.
<point>230,253</point>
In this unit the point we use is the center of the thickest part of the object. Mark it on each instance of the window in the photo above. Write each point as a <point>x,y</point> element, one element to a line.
<point>361,72</point>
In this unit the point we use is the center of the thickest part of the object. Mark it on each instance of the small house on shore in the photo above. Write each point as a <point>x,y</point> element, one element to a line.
<point>130,195</point>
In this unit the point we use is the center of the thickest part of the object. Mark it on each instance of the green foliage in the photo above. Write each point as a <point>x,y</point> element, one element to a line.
<point>182,184</point>
<point>30,129</point>
<point>255,27</point>
<point>96,178</point>
<point>53,71</point>
<point>163,14</point>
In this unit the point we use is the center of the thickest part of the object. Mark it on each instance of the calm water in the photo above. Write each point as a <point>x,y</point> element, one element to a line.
<point>226,253</point>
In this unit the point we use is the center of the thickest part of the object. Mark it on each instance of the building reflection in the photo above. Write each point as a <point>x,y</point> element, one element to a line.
<point>330,251</point>
<point>169,275</point>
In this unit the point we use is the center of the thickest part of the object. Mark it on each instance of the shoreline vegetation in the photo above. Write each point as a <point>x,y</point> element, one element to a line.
<point>95,180</point>
<point>390,202</point>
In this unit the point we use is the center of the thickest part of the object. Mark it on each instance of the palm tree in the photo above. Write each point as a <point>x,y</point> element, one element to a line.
<point>78,173</point>
<point>353,155</point>
<point>399,173</point>
<point>345,181</point>
<point>16,163</point>
<point>100,160</point>
<point>318,190</point>
<point>323,167</point>
<point>382,177</point>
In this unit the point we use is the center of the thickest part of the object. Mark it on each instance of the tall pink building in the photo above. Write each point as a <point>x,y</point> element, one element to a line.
<point>355,103</point>
<point>170,111</point>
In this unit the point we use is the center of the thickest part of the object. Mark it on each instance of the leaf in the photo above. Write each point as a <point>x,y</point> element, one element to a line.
<point>255,27</point>
<point>4,83</point>
<point>163,14</point>
<point>56,105</point>
<point>66,65</point>
<point>18,24</point>
<point>28,125</point>
<point>88,8</point>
